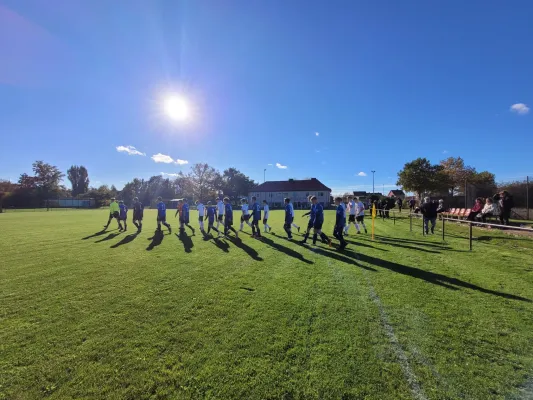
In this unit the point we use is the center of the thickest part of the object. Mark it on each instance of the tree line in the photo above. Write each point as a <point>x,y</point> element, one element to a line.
<point>451,177</point>
<point>200,182</point>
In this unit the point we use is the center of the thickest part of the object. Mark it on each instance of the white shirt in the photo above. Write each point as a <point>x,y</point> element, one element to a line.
<point>292,209</point>
<point>201,209</point>
<point>360,208</point>
<point>352,207</point>
<point>265,208</point>
<point>221,207</point>
<point>244,208</point>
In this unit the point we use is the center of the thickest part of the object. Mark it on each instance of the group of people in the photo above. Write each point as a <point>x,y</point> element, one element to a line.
<point>222,213</point>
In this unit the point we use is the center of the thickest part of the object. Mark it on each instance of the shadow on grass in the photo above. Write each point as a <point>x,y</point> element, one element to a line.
<point>102,232</point>
<point>221,244</point>
<point>286,250</point>
<point>155,240</point>
<point>434,278</point>
<point>108,237</point>
<point>362,244</point>
<point>247,249</point>
<point>127,239</point>
<point>394,241</point>
<point>347,256</point>
<point>185,240</point>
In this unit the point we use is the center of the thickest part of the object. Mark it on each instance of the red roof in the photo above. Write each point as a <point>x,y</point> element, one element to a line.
<point>292,185</point>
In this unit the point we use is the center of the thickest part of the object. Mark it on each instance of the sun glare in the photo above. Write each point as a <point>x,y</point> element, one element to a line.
<point>177,108</point>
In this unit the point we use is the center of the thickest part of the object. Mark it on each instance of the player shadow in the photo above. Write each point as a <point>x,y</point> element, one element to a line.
<point>108,237</point>
<point>185,240</point>
<point>102,232</point>
<point>247,249</point>
<point>347,256</point>
<point>127,239</point>
<point>221,244</point>
<point>286,250</point>
<point>155,240</point>
<point>362,244</point>
<point>411,244</point>
<point>434,278</point>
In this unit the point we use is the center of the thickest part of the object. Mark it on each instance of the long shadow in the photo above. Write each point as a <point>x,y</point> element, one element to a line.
<point>286,250</point>
<point>362,244</point>
<point>384,239</point>
<point>102,232</point>
<point>343,257</point>
<point>434,278</point>
<point>130,238</point>
<point>247,249</point>
<point>186,241</point>
<point>221,244</point>
<point>155,240</point>
<point>108,237</point>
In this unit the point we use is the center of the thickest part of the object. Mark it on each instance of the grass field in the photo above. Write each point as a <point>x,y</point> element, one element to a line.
<point>86,314</point>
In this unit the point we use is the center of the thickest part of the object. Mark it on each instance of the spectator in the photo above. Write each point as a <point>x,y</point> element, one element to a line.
<point>476,209</point>
<point>429,211</point>
<point>412,204</point>
<point>399,203</point>
<point>440,207</point>
<point>490,209</point>
<point>505,203</point>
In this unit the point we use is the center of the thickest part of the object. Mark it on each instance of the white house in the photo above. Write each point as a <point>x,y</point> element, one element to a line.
<point>274,192</point>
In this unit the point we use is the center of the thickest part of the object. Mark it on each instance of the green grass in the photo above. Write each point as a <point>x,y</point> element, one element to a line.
<point>121,316</point>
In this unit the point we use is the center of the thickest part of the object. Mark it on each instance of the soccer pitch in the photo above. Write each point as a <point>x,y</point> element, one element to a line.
<point>86,314</point>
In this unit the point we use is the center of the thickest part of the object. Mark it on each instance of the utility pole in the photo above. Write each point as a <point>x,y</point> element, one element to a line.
<point>373,190</point>
<point>527,197</point>
<point>264,175</point>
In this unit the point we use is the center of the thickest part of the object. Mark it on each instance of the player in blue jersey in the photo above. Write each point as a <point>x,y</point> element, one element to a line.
<point>123,212</point>
<point>228,218</point>
<point>311,222</point>
<point>340,222</point>
<point>185,217</point>
<point>138,211</point>
<point>288,218</point>
<point>211,216</point>
<point>162,215</point>
<point>318,222</point>
<point>256,217</point>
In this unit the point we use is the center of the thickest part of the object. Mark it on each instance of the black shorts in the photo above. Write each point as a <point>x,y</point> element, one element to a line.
<point>221,218</point>
<point>161,219</point>
<point>351,218</point>
<point>200,218</point>
<point>210,221</point>
<point>123,219</point>
<point>228,222</point>
<point>137,217</point>
<point>255,222</point>
<point>265,220</point>
<point>184,220</point>
<point>115,215</point>
<point>245,217</point>
<point>317,225</point>
<point>360,218</point>
<point>310,224</point>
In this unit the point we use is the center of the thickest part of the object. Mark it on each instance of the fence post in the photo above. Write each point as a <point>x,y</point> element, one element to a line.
<point>443,224</point>
<point>470,239</point>
<point>410,222</point>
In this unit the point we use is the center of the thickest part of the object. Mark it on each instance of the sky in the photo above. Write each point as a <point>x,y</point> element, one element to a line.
<point>332,90</point>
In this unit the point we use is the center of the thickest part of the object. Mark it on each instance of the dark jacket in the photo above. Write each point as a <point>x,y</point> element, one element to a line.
<point>505,202</point>
<point>429,210</point>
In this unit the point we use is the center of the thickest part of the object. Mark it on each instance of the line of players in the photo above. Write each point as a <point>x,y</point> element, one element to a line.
<point>222,213</point>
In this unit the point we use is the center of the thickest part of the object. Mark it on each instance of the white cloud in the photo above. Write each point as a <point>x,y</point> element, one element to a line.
<point>270,164</point>
<point>317,151</point>
<point>132,151</point>
<point>444,151</point>
<point>181,162</point>
<point>519,108</point>
<point>317,133</point>
<point>361,173</point>
<point>281,166</point>
<point>171,175</point>
<point>162,158</point>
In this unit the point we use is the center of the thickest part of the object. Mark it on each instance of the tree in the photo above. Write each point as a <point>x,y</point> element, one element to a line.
<point>457,174</point>
<point>27,182</point>
<point>420,176</point>
<point>235,183</point>
<point>47,176</point>
<point>201,179</point>
<point>79,179</point>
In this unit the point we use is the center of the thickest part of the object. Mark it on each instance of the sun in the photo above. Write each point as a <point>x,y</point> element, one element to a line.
<point>177,108</point>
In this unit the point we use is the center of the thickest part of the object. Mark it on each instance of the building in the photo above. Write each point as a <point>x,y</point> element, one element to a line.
<point>397,193</point>
<point>297,190</point>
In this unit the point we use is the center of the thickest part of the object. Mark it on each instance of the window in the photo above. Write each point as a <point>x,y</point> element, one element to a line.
<point>285,194</point>
<point>321,193</point>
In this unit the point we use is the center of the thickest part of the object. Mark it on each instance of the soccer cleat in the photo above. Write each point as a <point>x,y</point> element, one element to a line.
<point>169,229</point>
<point>359,232</point>
<point>236,235</point>
<point>298,229</point>
<point>366,231</point>
<point>330,244</point>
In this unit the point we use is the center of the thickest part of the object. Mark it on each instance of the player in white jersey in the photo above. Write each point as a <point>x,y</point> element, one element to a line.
<point>292,214</point>
<point>360,215</point>
<point>265,216</point>
<point>201,214</point>
<point>245,216</point>
<point>352,211</point>
<point>221,209</point>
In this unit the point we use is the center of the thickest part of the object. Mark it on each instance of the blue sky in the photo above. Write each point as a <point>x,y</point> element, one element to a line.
<point>325,89</point>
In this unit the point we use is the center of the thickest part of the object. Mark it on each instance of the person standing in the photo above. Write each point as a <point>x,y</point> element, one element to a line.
<point>138,211</point>
<point>266,211</point>
<point>319,221</point>
<point>185,217</point>
<point>228,219</point>
<point>429,211</point>
<point>340,220</point>
<point>412,204</point>
<point>256,217</point>
<point>288,218</point>
<point>123,212</point>
<point>244,216</point>
<point>399,202</point>
<point>162,215</point>
<point>352,209</point>
<point>360,212</point>
<point>114,212</point>
<point>201,213</point>
<point>211,215</point>
<point>221,208</point>
<point>506,203</point>
<point>292,214</point>
<point>311,222</point>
